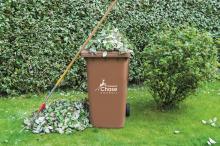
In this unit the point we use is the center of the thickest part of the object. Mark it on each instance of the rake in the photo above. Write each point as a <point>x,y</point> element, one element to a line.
<point>43,105</point>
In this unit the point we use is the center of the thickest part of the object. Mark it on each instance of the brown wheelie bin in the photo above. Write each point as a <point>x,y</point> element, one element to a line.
<point>107,88</point>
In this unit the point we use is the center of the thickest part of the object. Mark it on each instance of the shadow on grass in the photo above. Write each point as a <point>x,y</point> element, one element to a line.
<point>146,110</point>
<point>150,105</point>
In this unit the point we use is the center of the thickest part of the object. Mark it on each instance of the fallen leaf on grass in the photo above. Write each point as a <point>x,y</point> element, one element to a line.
<point>211,141</point>
<point>204,122</point>
<point>211,122</point>
<point>176,132</point>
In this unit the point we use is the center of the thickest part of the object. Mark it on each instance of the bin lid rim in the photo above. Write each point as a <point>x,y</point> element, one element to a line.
<point>111,54</point>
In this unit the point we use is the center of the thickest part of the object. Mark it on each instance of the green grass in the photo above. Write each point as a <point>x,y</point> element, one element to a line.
<point>146,126</point>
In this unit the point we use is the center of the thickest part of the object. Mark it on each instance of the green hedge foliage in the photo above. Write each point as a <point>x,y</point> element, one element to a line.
<point>39,37</point>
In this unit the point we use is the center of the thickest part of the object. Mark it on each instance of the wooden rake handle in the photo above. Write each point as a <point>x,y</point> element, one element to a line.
<point>82,48</point>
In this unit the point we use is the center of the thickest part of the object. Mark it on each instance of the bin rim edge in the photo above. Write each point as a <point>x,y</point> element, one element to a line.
<point>99,54</point>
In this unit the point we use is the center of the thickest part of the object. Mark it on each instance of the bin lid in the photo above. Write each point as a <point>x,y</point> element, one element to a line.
<point>112,54</point>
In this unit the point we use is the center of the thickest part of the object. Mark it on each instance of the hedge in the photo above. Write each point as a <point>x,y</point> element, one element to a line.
<point>39,37</point>
<point>177,62</point>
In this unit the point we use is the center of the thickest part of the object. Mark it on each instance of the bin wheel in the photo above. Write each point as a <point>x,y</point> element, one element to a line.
<point>128,110</point>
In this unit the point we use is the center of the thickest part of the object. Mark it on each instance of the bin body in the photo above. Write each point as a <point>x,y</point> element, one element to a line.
<point>107,88</point>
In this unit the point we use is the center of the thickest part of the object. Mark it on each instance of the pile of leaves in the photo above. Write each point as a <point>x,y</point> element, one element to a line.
<point>61,116</point>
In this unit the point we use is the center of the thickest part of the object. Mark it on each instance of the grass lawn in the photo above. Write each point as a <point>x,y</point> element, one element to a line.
<point>146,126</point>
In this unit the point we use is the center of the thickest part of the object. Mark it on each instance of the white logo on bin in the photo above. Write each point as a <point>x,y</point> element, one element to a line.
<point>107,89</point>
